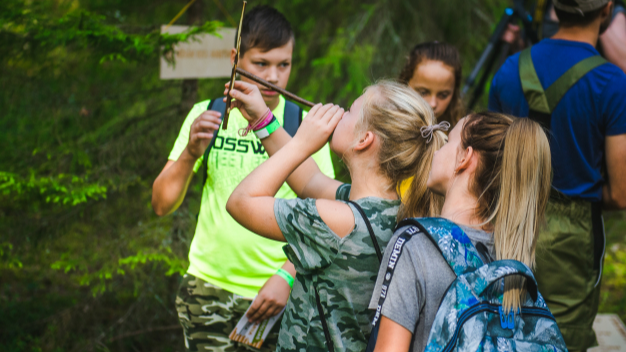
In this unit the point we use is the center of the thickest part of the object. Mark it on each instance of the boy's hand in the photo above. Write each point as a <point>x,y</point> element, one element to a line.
<point>317,127</point>
<point>248,100</point>
<point>202,130</point>
<point>271,299</point>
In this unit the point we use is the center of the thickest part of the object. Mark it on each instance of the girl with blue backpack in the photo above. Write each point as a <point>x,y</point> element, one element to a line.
<point>463,282</point>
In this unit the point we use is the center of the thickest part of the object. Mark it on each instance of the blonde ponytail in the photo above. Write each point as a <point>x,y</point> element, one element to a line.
<point>396,113</point>
<point>513,183</point>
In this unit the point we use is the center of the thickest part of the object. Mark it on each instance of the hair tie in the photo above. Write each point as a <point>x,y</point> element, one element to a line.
<point>427,131</point>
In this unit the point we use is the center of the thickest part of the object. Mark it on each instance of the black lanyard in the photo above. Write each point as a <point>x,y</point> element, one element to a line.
<point>320,309</point>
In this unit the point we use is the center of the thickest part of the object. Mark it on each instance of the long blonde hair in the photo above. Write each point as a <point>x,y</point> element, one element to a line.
<point>512,183</point>
<point>396,113</point>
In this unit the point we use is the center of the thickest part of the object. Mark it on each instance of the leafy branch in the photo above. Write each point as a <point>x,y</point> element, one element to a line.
<point>61,189</point>
<point>29,26</point>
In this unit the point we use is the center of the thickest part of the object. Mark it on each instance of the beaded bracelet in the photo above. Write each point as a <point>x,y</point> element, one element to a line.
<point>285,275</point>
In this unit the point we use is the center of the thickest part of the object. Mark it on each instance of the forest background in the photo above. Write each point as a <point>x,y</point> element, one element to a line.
<point>86,125</point>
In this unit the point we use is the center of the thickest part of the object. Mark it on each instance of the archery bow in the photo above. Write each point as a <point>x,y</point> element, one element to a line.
<point>261,81</point>
<point>229,99</point>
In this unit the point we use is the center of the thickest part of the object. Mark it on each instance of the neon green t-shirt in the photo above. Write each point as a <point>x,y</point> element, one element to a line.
<point>223,252</point>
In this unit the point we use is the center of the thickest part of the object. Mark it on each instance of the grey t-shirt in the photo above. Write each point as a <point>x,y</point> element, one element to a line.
<point>421,278</point>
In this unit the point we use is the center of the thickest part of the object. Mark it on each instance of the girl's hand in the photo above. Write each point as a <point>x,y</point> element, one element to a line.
<point>248,100</point>
<point>271,300</point>
<point>317,127</point>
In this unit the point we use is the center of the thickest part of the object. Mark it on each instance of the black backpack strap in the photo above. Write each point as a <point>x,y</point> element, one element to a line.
<point>218,105</point>
<point>379,254</point>
<point>320,309</point>
<point>406,235</point>
<point>292,119</point>
<point>441,228</point>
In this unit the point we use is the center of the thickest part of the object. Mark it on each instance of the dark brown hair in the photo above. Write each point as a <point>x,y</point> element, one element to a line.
<point>449,55</point>
<point>570,19</point>
<point>264,28</point>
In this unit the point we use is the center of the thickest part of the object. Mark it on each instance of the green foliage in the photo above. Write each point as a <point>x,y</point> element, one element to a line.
<point>61,188</point>
<point>613,294</point>
<point>82,107</point>
<point>29,26</point>
<point>7,260</point>
<point>174,264</point>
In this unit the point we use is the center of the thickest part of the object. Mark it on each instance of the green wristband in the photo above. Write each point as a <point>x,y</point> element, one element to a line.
<point>267,130</point>
<point>285,275</point>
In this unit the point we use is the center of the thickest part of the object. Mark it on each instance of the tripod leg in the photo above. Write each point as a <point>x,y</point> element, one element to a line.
<point>488,52</point>
<point>493,66</point>
<point>478,92</point>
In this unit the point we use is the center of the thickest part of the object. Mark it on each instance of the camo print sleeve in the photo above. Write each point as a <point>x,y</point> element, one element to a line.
<point>311,244</point>
<point>343,192</point>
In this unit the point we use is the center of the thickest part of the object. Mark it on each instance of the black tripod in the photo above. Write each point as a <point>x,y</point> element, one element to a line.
<point>497,50</point>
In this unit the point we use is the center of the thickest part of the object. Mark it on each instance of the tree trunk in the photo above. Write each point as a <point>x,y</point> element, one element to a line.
<point>182,224</point>
<point>190,86</point>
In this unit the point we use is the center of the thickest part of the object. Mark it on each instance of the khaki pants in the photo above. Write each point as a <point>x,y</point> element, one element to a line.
<point>208,314</point>
<point>569,261</point>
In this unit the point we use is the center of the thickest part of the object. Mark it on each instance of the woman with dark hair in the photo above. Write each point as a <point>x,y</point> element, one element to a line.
<point>433,69</point>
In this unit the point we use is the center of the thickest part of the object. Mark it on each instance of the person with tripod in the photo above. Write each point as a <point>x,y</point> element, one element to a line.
<point>564,84</point>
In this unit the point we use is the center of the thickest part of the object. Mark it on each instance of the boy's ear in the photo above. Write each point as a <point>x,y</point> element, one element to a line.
<point>365,141</point>
<point>233,53</point>
<point>608,9</point>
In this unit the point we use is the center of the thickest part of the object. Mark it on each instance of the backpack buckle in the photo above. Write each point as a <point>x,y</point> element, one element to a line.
<point>507,321</point>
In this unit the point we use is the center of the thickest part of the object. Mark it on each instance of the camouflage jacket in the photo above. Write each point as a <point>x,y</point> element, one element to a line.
<point>343,270</point>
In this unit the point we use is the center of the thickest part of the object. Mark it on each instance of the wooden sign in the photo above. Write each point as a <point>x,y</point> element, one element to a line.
<point>208,56</point>
<point>610,332</point>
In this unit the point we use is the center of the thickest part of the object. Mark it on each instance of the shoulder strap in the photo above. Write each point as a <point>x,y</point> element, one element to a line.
<point>557,90</point>
<point>370,230</point>
<point>533,90</point>
<point>452,242</point>
<point>292,119</point>
<point>216,104</point>
<point>398,246</point>
<point>542,102</point>
<point>320,309</point>
<point>539,109</point>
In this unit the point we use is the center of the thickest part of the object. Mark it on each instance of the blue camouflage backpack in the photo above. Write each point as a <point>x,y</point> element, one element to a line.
<point>470,315</point>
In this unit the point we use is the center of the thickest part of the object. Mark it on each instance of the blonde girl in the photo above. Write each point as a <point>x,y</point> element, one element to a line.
<point>495,174</point>
<point>328,240</point>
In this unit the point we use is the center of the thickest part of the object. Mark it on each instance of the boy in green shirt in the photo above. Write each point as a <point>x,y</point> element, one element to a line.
<point>228,265</point>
